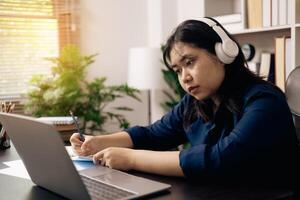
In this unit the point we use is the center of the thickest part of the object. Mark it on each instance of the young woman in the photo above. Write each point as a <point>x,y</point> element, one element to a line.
<point>239,126</point>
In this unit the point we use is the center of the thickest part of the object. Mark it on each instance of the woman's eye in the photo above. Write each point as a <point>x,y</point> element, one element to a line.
<point>188,62</point>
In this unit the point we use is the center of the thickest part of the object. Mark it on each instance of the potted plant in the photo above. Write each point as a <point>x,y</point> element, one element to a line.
<point>67,89</point>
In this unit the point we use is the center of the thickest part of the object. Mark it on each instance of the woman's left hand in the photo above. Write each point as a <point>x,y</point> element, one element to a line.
<point>115,157</point>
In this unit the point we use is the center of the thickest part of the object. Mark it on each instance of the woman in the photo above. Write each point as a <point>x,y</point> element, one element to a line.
<point>239,126</point>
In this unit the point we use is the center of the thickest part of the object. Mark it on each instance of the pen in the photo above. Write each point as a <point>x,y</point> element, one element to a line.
<point>77,126</point>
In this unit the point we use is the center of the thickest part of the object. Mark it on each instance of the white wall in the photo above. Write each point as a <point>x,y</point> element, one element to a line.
<point>169,17</point>
<point>110,28</point>
<point>190,9</point>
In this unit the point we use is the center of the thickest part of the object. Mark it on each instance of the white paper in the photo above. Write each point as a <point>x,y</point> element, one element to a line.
<point>15,168</point>
<point>70,151</point>
<point>75,157</point>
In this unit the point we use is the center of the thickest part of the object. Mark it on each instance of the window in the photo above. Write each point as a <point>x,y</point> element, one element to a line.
<point>31,31</point>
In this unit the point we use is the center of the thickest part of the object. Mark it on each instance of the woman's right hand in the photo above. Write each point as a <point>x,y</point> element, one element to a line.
<point>90,146</point>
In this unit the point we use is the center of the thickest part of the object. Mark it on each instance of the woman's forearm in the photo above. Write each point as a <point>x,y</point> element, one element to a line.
<point>157,162</point>
<point>119,139</point>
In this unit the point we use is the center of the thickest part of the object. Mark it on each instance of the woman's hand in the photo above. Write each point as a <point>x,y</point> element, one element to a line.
<point>94,144</point>
<point>116,158</point>
<point>90,145</point>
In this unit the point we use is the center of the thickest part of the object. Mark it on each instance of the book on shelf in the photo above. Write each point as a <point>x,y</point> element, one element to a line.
<point>288,57</point>
<point>234,27</point>
<point>267,62</point>
<point>267,14</point>
<point>254,67</point>
<point>231,22</point>
<point>271,77</point>
<point>282,58</point>
<point>275,12</point>
<point>282,12</point>
<point>289,13</point>
<point>254,14</point>
<point>229,19</point>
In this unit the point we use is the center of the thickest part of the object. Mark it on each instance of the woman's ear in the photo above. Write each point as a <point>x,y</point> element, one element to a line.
<point>216,59</point>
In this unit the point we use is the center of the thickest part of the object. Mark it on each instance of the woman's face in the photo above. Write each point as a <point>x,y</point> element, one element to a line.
<point>200,73</point>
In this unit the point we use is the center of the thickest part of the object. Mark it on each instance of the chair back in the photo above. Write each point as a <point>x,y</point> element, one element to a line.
<point>292,92</point>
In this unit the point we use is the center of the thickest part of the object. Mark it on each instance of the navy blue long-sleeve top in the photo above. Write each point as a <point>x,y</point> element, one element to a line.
<point>260,141</point>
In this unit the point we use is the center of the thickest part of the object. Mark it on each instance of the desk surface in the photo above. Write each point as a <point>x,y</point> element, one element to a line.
<point>12,188</point>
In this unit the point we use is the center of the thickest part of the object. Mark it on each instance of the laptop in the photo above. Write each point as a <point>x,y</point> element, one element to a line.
<point>49,165</point>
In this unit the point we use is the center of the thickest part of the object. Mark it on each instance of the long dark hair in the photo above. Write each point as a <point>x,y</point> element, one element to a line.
<point>237,76</point>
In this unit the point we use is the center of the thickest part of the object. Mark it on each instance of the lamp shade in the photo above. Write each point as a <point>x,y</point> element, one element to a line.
<point>145,68</point>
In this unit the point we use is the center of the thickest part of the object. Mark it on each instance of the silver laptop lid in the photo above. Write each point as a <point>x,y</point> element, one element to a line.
<point>44,155</point>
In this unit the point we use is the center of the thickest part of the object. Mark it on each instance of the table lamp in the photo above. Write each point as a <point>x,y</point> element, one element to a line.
<point>145,65</point>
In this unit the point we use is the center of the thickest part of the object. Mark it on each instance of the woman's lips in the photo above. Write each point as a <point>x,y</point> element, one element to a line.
<point>193,89</point>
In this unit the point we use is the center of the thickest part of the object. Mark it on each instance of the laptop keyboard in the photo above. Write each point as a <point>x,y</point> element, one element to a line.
<point>98,190</point>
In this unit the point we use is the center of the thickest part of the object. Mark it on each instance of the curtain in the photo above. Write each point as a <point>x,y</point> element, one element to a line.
<point>30,32</point>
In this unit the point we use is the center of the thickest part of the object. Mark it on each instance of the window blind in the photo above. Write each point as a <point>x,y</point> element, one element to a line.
<point>31,31</point>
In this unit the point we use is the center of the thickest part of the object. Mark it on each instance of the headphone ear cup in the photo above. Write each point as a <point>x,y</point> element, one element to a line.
<point>223,57</point>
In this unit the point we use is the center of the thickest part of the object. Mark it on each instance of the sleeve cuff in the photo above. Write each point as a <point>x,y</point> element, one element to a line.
<point>136,136</point>
<point>192,161</point>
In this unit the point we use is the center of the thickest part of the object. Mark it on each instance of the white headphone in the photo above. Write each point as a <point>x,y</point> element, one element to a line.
<point>228,49</point>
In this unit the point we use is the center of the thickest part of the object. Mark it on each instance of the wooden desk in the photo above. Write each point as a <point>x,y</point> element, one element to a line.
<point>12,188</point>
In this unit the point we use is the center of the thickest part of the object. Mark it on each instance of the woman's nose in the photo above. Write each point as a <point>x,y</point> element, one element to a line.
<point>186,77</point>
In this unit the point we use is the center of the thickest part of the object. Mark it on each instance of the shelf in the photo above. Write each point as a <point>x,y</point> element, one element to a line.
<point>258,30</point>
<point>262,38</point>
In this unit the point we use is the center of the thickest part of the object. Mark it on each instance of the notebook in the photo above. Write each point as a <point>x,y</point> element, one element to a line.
<point>49,165</point>
<point>57,120</point>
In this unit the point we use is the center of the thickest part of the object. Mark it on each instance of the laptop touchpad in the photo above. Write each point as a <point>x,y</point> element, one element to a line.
<point>96,171</point>
<point>115,178</point>
<point>132,183</point>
